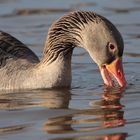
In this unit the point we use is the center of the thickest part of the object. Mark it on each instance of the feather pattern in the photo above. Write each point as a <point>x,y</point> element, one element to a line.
<point>11,48</point>
<point>65,33</point>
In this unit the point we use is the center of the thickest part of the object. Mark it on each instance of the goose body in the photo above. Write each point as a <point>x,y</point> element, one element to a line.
<point>20,68</point>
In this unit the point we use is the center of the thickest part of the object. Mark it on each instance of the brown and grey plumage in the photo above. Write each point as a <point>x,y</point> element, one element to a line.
<point>20,68</point>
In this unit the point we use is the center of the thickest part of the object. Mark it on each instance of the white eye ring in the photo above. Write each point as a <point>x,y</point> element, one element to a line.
<point>111,46</point>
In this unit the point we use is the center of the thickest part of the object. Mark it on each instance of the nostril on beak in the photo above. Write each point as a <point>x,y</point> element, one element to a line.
<point>103,66</point>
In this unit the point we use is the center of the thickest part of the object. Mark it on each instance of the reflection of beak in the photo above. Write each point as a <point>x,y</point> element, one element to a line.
<point>114,69</point>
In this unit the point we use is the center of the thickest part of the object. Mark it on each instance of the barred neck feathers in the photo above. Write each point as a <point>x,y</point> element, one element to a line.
<point>66,33</point>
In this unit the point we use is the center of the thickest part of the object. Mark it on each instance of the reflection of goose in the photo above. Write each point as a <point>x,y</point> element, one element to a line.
<point>38,98</point>
<point>20,68</point>
<point>108,113</point>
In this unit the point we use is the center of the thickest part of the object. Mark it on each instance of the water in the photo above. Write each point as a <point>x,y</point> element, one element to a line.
<point>86,111</point>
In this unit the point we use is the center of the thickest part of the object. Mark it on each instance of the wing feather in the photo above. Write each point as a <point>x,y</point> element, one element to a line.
<point>11,48</point>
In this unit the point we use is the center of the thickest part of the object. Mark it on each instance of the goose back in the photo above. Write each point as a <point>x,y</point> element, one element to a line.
<point>12,49</point>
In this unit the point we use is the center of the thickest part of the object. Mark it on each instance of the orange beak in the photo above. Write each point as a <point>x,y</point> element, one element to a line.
<point>114,69</point>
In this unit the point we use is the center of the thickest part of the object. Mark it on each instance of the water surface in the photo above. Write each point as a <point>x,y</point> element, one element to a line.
<point>86,111</point>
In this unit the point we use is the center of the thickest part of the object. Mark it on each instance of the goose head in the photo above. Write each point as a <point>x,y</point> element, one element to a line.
<point>105,45</point>
<point>97,35</point>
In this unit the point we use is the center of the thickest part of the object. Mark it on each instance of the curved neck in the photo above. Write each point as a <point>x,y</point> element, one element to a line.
<point>61,42</point>
<point>63,36</point>
<point>56,60</point>
<point>68,32</point>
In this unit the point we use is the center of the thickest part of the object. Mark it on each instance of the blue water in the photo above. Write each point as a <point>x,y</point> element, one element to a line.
<point>86,111</point>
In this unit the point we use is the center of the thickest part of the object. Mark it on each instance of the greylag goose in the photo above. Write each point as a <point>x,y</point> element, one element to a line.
<point>20,68</point>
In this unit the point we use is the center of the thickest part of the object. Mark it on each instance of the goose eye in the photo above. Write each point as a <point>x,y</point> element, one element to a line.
<point>111,46</point>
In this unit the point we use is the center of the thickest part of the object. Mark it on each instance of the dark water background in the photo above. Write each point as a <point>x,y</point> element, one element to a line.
<point>87,111</point>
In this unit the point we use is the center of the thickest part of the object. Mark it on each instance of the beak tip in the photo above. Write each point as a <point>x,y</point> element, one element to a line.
<point>116,70</point>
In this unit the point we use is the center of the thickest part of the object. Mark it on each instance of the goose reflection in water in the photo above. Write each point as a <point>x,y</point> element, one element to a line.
<point>18,102</point>
<point>104,113</point>
<point>36,98</point>
<point>116,136</point>
<point>107,114</point>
